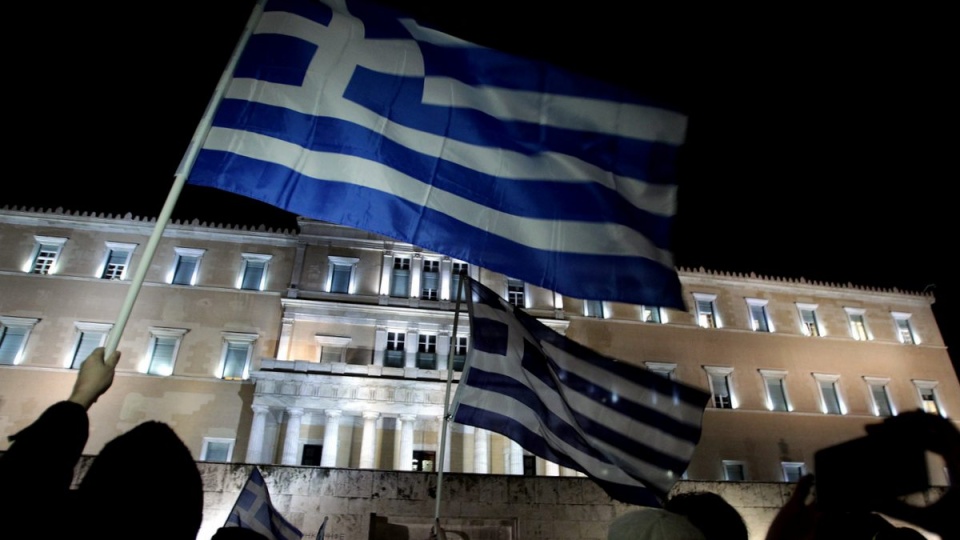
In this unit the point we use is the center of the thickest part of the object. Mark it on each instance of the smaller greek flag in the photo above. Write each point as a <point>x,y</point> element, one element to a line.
<point>630,430</point>
<point>253,510</point>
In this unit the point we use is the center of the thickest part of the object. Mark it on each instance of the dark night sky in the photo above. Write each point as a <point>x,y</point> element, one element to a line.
<point>819,142</point>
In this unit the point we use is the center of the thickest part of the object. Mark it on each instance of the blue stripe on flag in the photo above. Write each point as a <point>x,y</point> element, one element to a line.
<point>401,99</point>
<point>497,383</point>
<point>535,444</point>
<point>385,214</point>
<point>570,201</point>
<point>548,372</point>
<point>482,66</point>
<point>276,58</point>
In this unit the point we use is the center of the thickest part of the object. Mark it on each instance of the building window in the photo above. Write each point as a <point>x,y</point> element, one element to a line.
<point>235,356</point>
<point>905,328</point>
<point>89,337</point>
<point>529,465</point>
<point>664,369</point>
<point>650,314</point>
<point>394,353</point>
<point>809,324</point>
<point>759,318</point>
<point>253,277</point>
<point>217,449</point>
<point>793,471</point>
<point>400,278</point>
<point>830,400</point>
<point>46,251</point>
<point>457,269</point>
<point>14,332</point>
<point>706,310</point>
<point>423,460</point>
<point>186,266</point>
<point>331,349</point>
<point>516,291</point>
<point>593,308</point>
<point>721,387</point>
<point>929,397</point>
<point>774,381</point>
<point>880,395</point>
<point>430,280</point>
<point>459,352</point>
<point>117,261</point>
<point>162,354</point>
<point>427,351</point>
<point>341,274</point>
<point>734,471</point>
<point>311,455</point>
<point>858,324</point>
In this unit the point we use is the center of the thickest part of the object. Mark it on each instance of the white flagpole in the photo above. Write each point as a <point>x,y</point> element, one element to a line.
<point>446,399</point>
<point>183,171</point>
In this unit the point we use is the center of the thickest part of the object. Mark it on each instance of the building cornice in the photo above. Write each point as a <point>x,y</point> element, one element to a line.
<point>823,289</point>
<point>137,225</point>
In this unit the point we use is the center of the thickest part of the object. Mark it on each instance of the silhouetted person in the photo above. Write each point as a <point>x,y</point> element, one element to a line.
<point>800,519</point>
<point>143,484</point>
<point>716,518</point>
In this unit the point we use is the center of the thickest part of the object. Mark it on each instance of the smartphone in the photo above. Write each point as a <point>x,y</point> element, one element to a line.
<point>859,474</point>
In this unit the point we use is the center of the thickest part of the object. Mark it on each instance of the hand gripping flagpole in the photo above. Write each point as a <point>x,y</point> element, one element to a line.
<point>183,171</point>
<point>446,400</point>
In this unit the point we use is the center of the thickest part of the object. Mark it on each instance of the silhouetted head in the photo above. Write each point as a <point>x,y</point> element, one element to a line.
<point>144,484</point>
<point>652,524</point>
<point>710,513</point>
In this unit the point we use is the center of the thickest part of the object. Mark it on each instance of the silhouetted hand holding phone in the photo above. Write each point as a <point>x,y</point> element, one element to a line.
<point>940,436</point>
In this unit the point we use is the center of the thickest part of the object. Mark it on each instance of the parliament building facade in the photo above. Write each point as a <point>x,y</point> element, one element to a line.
<point>330,347</point>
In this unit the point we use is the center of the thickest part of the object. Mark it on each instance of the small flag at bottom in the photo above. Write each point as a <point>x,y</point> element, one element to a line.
<point>323,528</point>
<point>253,510</point>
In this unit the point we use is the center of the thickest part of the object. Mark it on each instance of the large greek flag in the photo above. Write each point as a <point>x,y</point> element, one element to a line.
<point>354,114</point>
<point>629,429</point>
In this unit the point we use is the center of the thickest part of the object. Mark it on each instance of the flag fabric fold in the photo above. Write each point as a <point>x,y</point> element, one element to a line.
<point>323,528</point>
<point>630,430</point>
<point>354,114</point>
<point>254,510</point>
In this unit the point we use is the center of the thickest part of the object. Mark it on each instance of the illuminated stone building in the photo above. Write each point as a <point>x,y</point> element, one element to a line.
<point>329,347</point>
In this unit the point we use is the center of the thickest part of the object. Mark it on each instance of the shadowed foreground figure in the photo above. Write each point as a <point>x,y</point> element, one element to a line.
<point>143,484</point>
<point>802,519</point>
<point>715,517</point>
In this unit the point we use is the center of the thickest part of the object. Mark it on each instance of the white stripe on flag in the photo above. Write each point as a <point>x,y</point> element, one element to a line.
<point>562,236</point>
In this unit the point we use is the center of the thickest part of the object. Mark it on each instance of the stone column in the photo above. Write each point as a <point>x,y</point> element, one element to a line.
<point>257,428</point>
<point>283,344</point>
<point>368,444</point>
<point>291,438</point>
<point>407,424</point>
<point>331,438</point>
<point>550,468</point>
<point>385,273</point>
<point>379,345</point>
<point>416,271</point>
<point>481,451</point>
<point>446,266</point>
<point>410,348</point>
<point>443,349</point>
<point>449,443</point>
<point>515,453</point>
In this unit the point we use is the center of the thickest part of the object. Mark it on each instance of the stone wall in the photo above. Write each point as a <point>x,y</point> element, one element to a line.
<point>497,507</point>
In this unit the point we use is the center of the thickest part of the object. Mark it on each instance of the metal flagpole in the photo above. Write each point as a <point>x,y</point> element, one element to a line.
<point>183,171</point>
<point>446,399</point>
